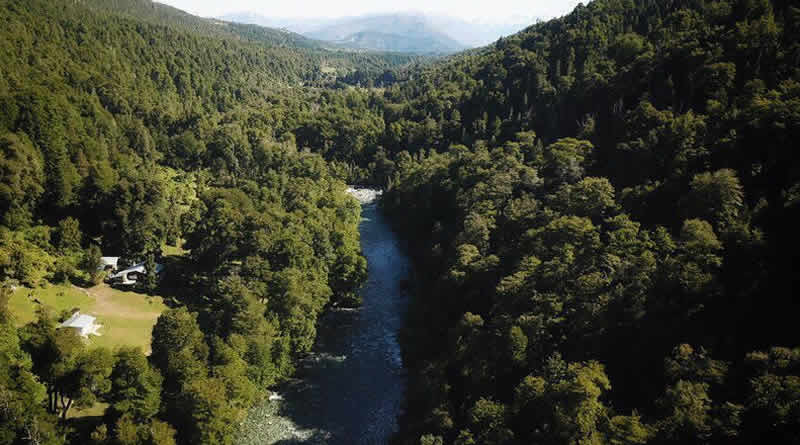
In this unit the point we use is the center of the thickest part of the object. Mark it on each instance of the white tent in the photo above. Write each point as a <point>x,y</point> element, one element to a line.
<point>83,323</point>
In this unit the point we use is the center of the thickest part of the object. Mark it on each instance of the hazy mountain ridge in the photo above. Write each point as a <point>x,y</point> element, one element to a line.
<point>409,31</point>
<point>393,32</point>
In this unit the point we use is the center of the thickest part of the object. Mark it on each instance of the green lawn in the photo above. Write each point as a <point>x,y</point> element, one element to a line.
<point>127,318</point>
<point>57,297</point>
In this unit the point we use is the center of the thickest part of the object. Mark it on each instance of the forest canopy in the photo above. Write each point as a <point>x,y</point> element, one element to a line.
<point>601,210</point>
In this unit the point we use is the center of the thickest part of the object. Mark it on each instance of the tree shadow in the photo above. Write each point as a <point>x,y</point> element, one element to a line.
<point>180,285</point>
<point>79,428</point>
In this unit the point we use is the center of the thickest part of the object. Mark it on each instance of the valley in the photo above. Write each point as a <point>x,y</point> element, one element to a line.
<point>582,232</point>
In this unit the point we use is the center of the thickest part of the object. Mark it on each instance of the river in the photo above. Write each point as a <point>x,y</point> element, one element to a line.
<point>351,389</point>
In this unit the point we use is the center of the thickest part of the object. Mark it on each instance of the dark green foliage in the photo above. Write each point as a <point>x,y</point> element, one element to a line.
<point>611,187</point>
<point>602,209</point>
<point>127,125</point>
<point>661,229</point>
<point>73,375</point>
<point>92,264</point>
<point>69,235</point>
<point>179,348</point>
<point>151,274</point>
<point>23,396</point>
<point>135,387</point>
<point>23,179</point>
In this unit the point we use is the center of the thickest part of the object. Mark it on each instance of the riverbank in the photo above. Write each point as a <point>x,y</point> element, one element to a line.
<point>351,388</point>
<point>268,423</point>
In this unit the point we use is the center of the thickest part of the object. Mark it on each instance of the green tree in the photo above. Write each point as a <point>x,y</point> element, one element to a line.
<point>72,375</point>
<point>69,235</point>
<point>179,348</point>
<point>23,397</point>
<point>213,417</point>
<point>21,179</point>
<point>487,420</point>
<point>716,197</point>
<point>151,272</point>
<point>135,387</point>
<point>773,397</point>
<point>92,264</point>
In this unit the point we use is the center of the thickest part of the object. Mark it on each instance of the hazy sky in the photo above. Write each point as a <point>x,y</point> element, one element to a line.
<point>484,10</point>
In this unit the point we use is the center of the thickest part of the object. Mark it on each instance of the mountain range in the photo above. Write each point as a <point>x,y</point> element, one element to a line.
<point>397,32</point>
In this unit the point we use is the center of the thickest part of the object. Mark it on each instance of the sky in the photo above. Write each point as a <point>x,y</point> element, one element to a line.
<point>489,11</point>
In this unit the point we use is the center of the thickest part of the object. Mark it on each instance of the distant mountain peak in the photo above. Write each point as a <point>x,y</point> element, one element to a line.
<point>406,31</point>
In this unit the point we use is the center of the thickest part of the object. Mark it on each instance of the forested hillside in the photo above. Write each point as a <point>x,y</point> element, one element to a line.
<point>604,210</point>
<point>119,136</point>
<point>165,15</point>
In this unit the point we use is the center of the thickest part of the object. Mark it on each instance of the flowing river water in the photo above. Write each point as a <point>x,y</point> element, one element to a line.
<point>351,389</point>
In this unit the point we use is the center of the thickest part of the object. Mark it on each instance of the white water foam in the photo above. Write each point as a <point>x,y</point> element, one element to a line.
<point>364,195</point>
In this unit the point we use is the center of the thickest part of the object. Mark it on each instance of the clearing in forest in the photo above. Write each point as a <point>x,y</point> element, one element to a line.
<point>127,318</point>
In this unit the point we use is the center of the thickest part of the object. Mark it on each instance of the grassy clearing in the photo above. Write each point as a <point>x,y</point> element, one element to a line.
<point>127,318</point>
<point>59,298</point>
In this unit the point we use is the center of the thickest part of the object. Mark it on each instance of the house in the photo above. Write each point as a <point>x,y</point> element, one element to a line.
<point>85,324</point>
<point>132,274</point>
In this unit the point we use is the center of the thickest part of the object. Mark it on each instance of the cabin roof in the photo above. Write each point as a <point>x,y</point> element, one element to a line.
<point>78,320</point>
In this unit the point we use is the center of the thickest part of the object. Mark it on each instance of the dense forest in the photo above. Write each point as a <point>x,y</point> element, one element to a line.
<point>120,135</point>
<point>602,211</point>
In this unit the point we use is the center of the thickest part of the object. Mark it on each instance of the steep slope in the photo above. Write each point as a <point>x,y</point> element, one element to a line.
<point>83,89</point>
